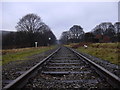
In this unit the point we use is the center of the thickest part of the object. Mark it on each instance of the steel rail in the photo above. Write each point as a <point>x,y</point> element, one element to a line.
<point>22,80</point>
<point>111,78</point>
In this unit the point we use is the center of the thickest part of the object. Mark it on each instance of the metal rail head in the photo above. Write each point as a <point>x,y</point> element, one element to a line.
<point>110,77</point>
<point>22,80</point>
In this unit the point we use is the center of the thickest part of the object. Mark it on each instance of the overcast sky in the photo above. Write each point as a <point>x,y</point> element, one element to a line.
<point>60,16</point>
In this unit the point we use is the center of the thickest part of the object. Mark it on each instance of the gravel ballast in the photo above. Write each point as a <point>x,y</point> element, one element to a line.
<point>66,70</point>
<point>113,68</point>
<point>14,69</point>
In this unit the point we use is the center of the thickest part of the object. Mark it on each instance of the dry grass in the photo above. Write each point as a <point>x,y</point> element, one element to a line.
<point>105,51</point>
<point>10,51</point>
<point>22,53</point>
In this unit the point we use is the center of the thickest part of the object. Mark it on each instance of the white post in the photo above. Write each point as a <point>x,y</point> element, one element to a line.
<point>36,44</point>
<point>49,41</point>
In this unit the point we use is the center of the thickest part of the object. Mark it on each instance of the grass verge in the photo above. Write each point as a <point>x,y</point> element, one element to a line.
<point>105,51</point>
<point>21,54</point>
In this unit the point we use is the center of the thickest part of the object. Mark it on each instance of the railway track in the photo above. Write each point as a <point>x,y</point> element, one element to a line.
<point>66,68</point>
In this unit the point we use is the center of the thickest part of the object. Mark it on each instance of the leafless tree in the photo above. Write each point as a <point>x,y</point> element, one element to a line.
<point>30,23</point>
<point>34,30</point>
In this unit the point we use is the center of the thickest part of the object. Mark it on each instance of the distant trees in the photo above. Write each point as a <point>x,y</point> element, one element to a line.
<point>30,23</point>
<point>64,37</point>
<point>75,34</point>
<point>90,37</point>
<point>117,31</point>
<point>104,32</point>
<point>30,29</point>
<point>8,40</point>
<point>117,27</point>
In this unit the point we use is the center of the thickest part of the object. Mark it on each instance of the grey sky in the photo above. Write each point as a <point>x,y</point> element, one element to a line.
<point>60,16</point>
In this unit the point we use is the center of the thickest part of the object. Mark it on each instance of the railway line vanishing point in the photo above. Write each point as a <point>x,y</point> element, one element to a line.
<point>65,68</point>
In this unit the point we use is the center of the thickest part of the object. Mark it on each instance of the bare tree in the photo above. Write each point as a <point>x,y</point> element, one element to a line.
<point>30,22</point>
<point>33,29</point>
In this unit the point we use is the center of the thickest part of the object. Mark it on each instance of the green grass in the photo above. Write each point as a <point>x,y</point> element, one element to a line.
<point>105,51</point>
<point>23,54</point>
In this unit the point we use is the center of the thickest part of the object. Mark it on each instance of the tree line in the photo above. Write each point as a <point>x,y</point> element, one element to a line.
<point>30,29</point>
<point>104,32</point>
